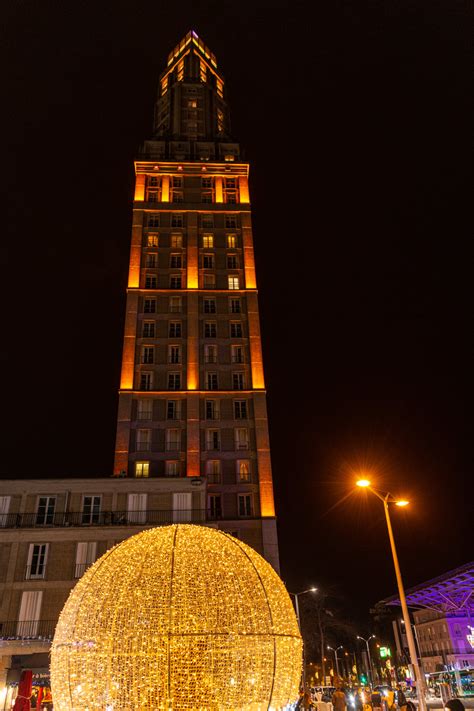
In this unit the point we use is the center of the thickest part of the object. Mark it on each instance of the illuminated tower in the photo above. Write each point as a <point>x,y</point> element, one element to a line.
<point>192,392</point>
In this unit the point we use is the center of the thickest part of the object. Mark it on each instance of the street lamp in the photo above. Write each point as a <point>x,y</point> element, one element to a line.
<point>335,657</point>
<point>369,659</point>
<point>297,610</point>
<point>387,499</point>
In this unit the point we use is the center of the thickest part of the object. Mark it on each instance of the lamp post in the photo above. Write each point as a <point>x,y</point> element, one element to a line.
<point>386,499</point>
<point>369,659</point>
<point>297,610</point>
<point>334,649</point>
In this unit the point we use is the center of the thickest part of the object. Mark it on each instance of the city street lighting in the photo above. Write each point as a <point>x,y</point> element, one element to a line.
<point>297,610</point>
<point>334,649</point>
<point>369,659</point>
<point>386,499</point>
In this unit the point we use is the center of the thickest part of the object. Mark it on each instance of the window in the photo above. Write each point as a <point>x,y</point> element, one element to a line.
<point>231,241</point>
<point>143,443</point>
<point>241,438</point>
<point>177,196</point>
<point>146,381</point>
<point>152,240</point>
<point>177,219</point>
<point>213,441</point>
<point>174,354</point>
<point>210,354</point>
<point>237,354</point>
<point>211,381</point>
<point>150,281</point>
<point>36,565</point>
<point>220,121</point>
<point>148,329</point>
<point>4,509</point>
<point>144,409</point>
<point>207,221</point>
<point>136,508</point>
<point>173,410</point>
<point>176,181</point>
<point>148,354</point>
<point>212,409</point>
<point>176,261</point>
<point>235,329</point>
<point>152,195</point>
<point>240,410</point>
<point>209,281</point>
<point>208,241</point>
<point>175,281</point>
<point>175,304</point>
<point>149,306</point>
<point>153,219</point>
<point>45,510</point>
<point>142,469</point>
<point>243,470</point>
<point>153,181</point>
<point>230,221</point>
<point>213,471</point>
<point>245,504</point>
<point>238,381</point>
<point>232,261</point>
<point>151,260</point>
<point>172,467</point>
<point>86,554</point>
<point>91,509</point>
<point>209,306</point>
<point>207,197</point>
<point>174,381</point>
<point>210,329</point>
<point>207,182</point>
<point>29,615</point>
<point>215,506</point>
<point>192,103</point>
<point>176,241</point>
<point>233,282</point>
<point>174,329</point>
<point>208,261</point>
<point>234,306</point>
<point>173,440</point>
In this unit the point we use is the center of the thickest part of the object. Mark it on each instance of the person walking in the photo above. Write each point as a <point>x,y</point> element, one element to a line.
<point>376,700</point>
<point>401,699</point>
<point>339,700</point>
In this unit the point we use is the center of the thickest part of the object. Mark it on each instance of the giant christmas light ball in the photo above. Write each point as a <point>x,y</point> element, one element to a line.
<point>176,618</point>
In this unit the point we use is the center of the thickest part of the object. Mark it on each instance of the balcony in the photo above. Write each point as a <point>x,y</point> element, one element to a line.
<point>27,630</point>
<point>103,518</point>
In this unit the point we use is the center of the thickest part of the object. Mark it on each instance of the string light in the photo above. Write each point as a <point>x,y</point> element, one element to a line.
<point>177,618</point>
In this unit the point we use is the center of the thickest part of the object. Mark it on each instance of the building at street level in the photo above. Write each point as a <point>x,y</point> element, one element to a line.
<point>192,394</point>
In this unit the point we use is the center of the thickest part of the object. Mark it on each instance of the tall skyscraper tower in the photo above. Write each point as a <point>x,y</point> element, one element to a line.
<point>192,393</point>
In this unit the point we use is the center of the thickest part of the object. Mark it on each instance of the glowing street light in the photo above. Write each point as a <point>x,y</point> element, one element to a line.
<point>334,649</point>
<point>297,610</point>
<point>369,659</point>
<point>386,499</point>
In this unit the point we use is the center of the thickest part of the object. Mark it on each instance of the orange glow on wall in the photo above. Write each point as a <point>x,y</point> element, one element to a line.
<point>123,433</point>
<point>134,268</point>
<point>219,189</point>
<point>256,359</point>
<point>140,187</point>
<point>249,259</point>
<point>128,357</point>
<point>244,189</point>
<point>192,436</point>
<point>193,343</point>
<point>193,267</point>
<point>165,188</point>
<point>267,504</point>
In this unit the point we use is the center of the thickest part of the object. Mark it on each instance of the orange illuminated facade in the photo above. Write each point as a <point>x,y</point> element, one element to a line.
<point>192,393</point>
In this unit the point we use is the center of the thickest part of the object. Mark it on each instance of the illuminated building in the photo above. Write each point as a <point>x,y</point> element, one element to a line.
<point>192,395</point>
<point>443,613</point>
<point>175,618</point>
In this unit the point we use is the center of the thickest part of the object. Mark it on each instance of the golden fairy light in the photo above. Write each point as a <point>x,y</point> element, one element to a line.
<point>177,618</point>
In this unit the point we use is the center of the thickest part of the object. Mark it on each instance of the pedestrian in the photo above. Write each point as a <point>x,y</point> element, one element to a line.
<point>358,701</point>
<point>390,699</point>
<point>339,700</point>
<point>454,705</point>
<point>376,700</point>
<point>401,699</point>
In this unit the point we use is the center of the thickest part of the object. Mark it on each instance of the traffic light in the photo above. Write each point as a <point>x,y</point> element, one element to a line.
<point>363,679</point>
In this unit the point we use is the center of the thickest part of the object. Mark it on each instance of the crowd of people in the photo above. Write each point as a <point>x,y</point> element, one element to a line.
<point>366,699</point>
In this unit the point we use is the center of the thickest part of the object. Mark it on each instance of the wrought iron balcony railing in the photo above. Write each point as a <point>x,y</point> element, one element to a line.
<point>103,518</point>
<point>28,629</point>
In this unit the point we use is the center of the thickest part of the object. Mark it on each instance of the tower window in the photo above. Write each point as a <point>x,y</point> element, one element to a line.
<point>207,221</point>
<point>142,469</point>
<point>175,281</point>
<point>211,381</point>
<point>213,440</point>
<point>151,260</point>
<point>208,241</point>
<point>231,241</point>
<point>235,329</point>
<point>150,281</point>
<point>172,468</point>
<point>220,121</point>
<point>174,381</point>
<point>148,329</point>
<point>243,470</point>
<point>210,354</point>
<point>145,409</point>
<point>177,219</point>
<point>173,410</point>
<point>209,281</point>
<point>238,381</point>
<point>232,261</point>
<point>176,261</point>
<point>210,329</point>
<point>174,354</point>
<point>174,329</point>
<point>175,304</point>
<point>237,354</point>
<point>234,306</point>
<point>176,241</point>
<point>241,438</point>
<point>209,306</point>
<point>149,306</point>
<point>233,282</point>
<point>152,240</point>
<point>153,220</point>
<point>208,261</point>
<point>146,381</point>
<point>240,409</point>
<point>212,410</point>
<point>213,471</point>
<point>230,222</point>
<point>148,354</point>
<point>245,504</point>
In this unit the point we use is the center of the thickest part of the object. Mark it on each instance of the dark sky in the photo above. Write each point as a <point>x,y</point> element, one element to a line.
<point>356,119</point>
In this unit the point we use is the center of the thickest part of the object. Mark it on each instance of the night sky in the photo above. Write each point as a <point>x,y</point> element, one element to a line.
<point>356,122</point>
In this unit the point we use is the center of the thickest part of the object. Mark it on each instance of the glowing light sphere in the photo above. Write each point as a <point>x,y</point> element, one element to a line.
<point>177,618</point>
